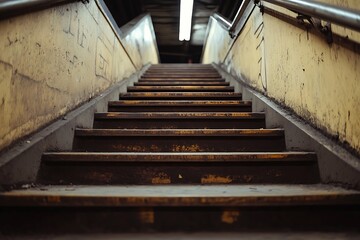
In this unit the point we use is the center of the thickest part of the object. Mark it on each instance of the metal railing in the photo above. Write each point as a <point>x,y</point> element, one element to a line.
<point>239,17</point>
<point>10,8</point>
<point>345,17</point>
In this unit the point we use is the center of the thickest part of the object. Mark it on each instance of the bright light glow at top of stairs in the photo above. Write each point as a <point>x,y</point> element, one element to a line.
<point>186,9</point>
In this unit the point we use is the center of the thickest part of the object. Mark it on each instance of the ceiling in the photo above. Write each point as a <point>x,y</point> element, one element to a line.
<point>165,17</point>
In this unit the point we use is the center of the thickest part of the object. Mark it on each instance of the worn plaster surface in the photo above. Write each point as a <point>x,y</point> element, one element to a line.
<point>53,60</point>
<point>317,80</point>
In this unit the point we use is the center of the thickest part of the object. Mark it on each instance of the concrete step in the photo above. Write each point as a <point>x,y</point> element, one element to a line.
<point>178,106</point>
<point>184,120</point>
<point>184,80</point>
<point>181,83</point>
<point>186,208</point>
<point>215,96</point>
<point>180,89</point>
<point>178,168</point>
<point>179,140</point>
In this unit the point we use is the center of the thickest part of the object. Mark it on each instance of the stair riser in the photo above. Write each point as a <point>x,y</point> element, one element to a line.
<point>159,83</point>
<point>178,144</point>
<point>179,97</point>
<point>179,173</point>
<point>184,80</point>
<point>52,220</point>
<point>179,89</point>
<point>170,108</point>
<point>186,75</point>
<point>179,123</point>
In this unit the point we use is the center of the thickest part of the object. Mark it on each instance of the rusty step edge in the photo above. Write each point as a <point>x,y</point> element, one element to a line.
<point>175,103</point>
<point>184,115</point>
<point>181,84</point>
<point>181,89</point>
<point>172,77</point>
<point>245,195</point>
<point>179,132</point>
<point>182,95</point>
<point>181,169</point>
<point>104,157</point>
<point>190,72</point>
<point>177,75</point>
<point>181,80</point>
<point>182,69</point>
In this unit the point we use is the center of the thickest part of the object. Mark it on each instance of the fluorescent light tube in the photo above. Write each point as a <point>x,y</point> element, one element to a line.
<point>186,9</point>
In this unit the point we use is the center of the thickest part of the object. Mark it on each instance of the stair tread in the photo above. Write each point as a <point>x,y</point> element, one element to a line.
<point>182,115</point>
<point>178,102</point>
<point>179,95</point>
<point>177,83</point>
<point>179,157</point>
<point>181,132</point>
<point>181,88</point>
<point>182,195</point>
<point>184,80</point>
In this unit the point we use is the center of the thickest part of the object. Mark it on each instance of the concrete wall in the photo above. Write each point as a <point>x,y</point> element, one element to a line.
<point>139,41</point>
<point>320,82</point>
<point>53,60</point>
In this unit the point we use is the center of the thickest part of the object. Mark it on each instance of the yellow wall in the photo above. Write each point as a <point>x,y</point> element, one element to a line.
<point>320,82</point>
<point>53,60</point>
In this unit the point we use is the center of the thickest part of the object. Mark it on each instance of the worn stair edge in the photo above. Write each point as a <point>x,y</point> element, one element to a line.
<point>184,80</point>
<point>180,132</point>
<point>182,195</point>
<point>190,73</point>
<point>182,115</point>
<point>139,103</point>
<point>177,83</point>
<point>197,73</point>
<point>179,157</point>
<point>181,95</point>
<point>180,89</point>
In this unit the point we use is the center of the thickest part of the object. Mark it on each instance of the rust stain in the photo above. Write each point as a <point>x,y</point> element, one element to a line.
<point>136,148</point>
<point>53,199</point>
<point>147,215</point>
<point>215,179</point>
<point>162,178</point>
<point>154,148</point>
<point>248,178</point>
<point>104,177</point>
<point>230,216</point>
<point>185,148</point>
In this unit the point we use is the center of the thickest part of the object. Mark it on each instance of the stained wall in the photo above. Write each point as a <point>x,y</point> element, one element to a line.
<point>53,60</point>
<point>320,82</point>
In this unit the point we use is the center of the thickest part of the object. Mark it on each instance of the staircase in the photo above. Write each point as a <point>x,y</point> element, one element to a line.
<point>179,151</point>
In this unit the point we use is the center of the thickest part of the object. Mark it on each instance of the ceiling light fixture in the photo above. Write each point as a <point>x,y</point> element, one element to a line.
<point>186,9</point>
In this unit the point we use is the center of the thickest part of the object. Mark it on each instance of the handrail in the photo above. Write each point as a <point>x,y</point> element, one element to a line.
<point>232,27</point>
<point>9,8</point>
<point>225,23</point>
<point>335,14</point>
<point>238,16</point>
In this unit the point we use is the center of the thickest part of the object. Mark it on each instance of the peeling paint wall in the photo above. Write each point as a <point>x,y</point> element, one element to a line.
<point>53,60</point>
<point>320,82</point>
